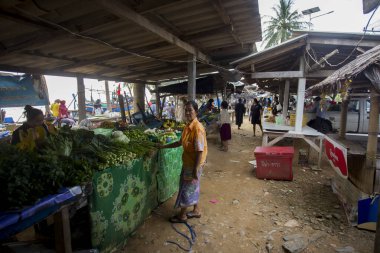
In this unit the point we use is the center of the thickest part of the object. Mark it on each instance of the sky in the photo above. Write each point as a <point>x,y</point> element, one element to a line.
<point>347,17</point>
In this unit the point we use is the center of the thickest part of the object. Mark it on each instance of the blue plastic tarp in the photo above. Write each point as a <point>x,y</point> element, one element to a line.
<point>21,90</point>
<point>12,222</point>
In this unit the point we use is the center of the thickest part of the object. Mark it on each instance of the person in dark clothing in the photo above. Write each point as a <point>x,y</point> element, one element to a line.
<point>255,115</point>
<point>34,129</point>
<point>210,105</point>
<point>239,111</point>
<point>276,106</point>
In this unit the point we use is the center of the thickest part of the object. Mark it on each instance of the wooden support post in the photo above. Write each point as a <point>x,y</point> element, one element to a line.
<point>300,98</point>
<point>373,131</point>
<point>81,99</point>
<point>122,108</point>
<point>138,97</point>
<point>191,73</point>
<point>62,231</point>
<point>158,102</point>
<point>285,104</point>
<point>108,99</point>
<point>343,119</point>
<point>281,94</point>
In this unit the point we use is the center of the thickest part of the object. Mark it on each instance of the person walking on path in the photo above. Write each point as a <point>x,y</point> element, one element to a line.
<point>194,155</point>
<point>255,115</point>
<point>225,126</point>
<point>239,113</point>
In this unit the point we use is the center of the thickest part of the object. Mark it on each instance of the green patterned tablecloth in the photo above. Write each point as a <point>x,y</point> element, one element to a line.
<point>169,170</point>
<point>124,196</point>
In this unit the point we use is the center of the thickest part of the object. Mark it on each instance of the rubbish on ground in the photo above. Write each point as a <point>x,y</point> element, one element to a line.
<point>213,201</point>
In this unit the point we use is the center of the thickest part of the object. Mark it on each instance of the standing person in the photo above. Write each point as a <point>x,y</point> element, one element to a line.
<point>225,126</point>
<point>240,111</point>
<point>98,108</point>
<point>255,116</point>
<point>276,106</point>
<point>32,131</point>
<point>55,108</point>
<point>194,155</point>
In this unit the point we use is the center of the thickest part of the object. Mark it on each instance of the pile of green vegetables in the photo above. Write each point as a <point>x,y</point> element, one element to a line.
<point>67,159</point>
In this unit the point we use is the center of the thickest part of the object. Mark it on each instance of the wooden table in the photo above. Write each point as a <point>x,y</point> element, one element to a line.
<point>279,132</point>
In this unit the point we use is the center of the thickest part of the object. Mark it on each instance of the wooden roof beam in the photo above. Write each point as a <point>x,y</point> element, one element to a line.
<point>76,63</point>
<point>270,54</point>
<point>343,42</point>
<point>118,8</point>
<point>226,18</point>
<point>65,73</point>
<point>290,74</point>
<point>150,6</point>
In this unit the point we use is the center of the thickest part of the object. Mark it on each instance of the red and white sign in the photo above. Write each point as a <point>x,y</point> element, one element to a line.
<point>337,155</point>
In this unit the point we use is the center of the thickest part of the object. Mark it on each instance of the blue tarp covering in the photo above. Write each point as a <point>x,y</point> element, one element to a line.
<point>12,222</point>
<point>21,90</point>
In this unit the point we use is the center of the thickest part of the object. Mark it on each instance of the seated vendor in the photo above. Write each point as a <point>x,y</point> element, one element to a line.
<point>32,131</point>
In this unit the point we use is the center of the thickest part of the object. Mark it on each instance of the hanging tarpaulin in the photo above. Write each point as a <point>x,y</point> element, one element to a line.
<point>21,90</point>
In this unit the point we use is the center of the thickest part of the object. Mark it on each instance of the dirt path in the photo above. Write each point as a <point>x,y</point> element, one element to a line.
<point>250,214</point>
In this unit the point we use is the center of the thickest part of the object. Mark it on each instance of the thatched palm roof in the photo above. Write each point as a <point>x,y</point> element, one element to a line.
<point>348,71</point>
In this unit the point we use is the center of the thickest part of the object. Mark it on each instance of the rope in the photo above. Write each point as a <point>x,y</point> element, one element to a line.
<point>191,240</point>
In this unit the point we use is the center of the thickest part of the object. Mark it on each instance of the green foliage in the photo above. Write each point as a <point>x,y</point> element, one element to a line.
<point>279,28</point>
<point>66,159</point>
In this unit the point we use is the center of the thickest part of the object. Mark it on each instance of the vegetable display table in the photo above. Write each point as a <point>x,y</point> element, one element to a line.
<point>124,196</point>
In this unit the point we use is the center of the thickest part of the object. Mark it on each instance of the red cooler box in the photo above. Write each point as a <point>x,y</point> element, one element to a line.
<point>274,163</point>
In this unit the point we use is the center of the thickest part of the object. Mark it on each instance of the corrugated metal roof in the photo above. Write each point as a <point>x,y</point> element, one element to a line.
<point>98,39</point>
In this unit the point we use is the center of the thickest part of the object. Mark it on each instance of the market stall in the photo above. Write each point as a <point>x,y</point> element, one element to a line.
<point>129,177</point>
<point>297,64</point>
<point>357,164</point>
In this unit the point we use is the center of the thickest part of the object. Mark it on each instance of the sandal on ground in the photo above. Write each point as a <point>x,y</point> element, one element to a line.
<point>177,219</point>
<point>191,215</point>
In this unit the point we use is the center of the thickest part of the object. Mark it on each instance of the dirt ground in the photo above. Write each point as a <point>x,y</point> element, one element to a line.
<point>250,215</point>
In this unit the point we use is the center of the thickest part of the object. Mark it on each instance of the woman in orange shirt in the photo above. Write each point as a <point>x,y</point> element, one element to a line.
<point>194,155</point>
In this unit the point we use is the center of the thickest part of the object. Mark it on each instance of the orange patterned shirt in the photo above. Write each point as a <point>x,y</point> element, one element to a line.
<point>193,140</point>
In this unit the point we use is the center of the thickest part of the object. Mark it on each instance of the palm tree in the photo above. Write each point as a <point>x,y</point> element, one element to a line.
<point>279,28</point>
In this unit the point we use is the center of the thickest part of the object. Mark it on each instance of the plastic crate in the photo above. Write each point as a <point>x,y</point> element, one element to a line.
<point>274,163</point>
